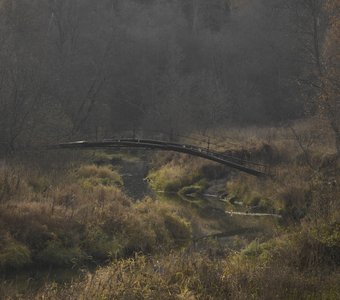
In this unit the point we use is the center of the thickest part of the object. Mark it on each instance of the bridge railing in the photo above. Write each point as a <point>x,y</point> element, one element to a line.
<point>223,147</point>
<point>198,149</point>
<point>202,141</point>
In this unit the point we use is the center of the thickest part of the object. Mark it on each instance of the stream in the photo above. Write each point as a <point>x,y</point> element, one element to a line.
<point>136,186</point>
<point>209,209</point>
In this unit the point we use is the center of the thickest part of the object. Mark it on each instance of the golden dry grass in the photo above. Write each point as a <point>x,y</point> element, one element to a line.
<point>300,261</point>
<point>87,217</point>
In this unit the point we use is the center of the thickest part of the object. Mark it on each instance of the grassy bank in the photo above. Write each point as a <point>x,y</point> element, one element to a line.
<point>147,244</point>
<point>183,174</point>
<point>85,218</point>
<point>277,269</point>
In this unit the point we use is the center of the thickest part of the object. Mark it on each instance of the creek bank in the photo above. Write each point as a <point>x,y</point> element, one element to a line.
<point>203,210</point>
<point>206,198</point>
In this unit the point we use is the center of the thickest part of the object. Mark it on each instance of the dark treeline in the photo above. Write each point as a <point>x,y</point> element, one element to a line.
<point>71,68</point>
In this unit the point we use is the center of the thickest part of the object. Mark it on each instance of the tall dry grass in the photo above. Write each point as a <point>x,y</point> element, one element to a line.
<point>298,260</point>
<point>87,219</point>
<point>270,270</point>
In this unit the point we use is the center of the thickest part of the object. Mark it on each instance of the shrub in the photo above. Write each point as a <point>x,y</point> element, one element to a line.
<point>57,254</point>
<point>39,184</point>
<point>99,246</point>
<point>12,185</point>
<point>172,276</point>
<point>179,229</point>
<point>318,245</point>
<point>171,178</point>
<point>93,175</point>
<point>296,202</point>
<point>14,255</point>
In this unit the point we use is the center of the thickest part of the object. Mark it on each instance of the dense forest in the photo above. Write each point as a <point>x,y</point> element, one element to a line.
<point>74,68</point>
<point>255,83</point>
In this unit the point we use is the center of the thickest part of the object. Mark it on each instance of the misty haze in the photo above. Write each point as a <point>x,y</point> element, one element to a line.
<point>169,149</point>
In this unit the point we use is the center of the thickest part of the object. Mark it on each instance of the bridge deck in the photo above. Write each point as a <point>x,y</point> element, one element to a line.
<point>233,162</point>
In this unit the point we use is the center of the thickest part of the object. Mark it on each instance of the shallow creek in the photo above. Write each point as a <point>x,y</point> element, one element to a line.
<point>209,209</point>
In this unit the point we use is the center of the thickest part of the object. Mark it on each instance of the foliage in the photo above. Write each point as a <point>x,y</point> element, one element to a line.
<point>71,224</point>
<point>258,272</point>
<point>148,244</point>
<point>55,253</point>
<point>171,178</point>
<point>13,255</point>
<point>93,175</point>
<point>253,197</point>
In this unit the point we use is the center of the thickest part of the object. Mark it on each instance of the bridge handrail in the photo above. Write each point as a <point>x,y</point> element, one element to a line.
<point>217,154</point>
<point>184,148</point>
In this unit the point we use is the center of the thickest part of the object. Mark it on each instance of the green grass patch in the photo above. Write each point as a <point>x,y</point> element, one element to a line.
<point>92,175</point>
<point>171,178</point>
<point>250,197</point>
<point>194,190</point>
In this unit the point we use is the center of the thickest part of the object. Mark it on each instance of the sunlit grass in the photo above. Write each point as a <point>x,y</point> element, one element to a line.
<point>149,244</point>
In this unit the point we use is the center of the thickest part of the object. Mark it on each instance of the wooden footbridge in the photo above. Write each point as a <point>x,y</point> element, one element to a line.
<point>246,166</point>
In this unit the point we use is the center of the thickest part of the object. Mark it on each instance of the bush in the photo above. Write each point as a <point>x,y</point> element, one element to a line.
<point>172,177</point>
<point>39,184</point>
<point>12,185</point>
<point>318,245</point>
<point>14,255</point>
<point>99,246</point>
<point>296,202</point>
<point>179,229</point>
<point>57,254</point>
<point>172,276</point>
<point>93,175</point>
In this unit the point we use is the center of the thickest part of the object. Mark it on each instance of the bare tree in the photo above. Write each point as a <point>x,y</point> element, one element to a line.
<point>315,23</point>
<point>330,97</point>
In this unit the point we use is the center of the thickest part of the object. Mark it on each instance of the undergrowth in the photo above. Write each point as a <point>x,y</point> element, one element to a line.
<point>87,219</point>
<point>148,244</point>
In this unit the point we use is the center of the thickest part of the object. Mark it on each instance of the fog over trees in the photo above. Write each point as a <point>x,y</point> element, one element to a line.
<point>71,68</point>
<point>169,149</point>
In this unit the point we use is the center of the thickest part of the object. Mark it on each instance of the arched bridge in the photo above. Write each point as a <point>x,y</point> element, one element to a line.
<point>227,160</point>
